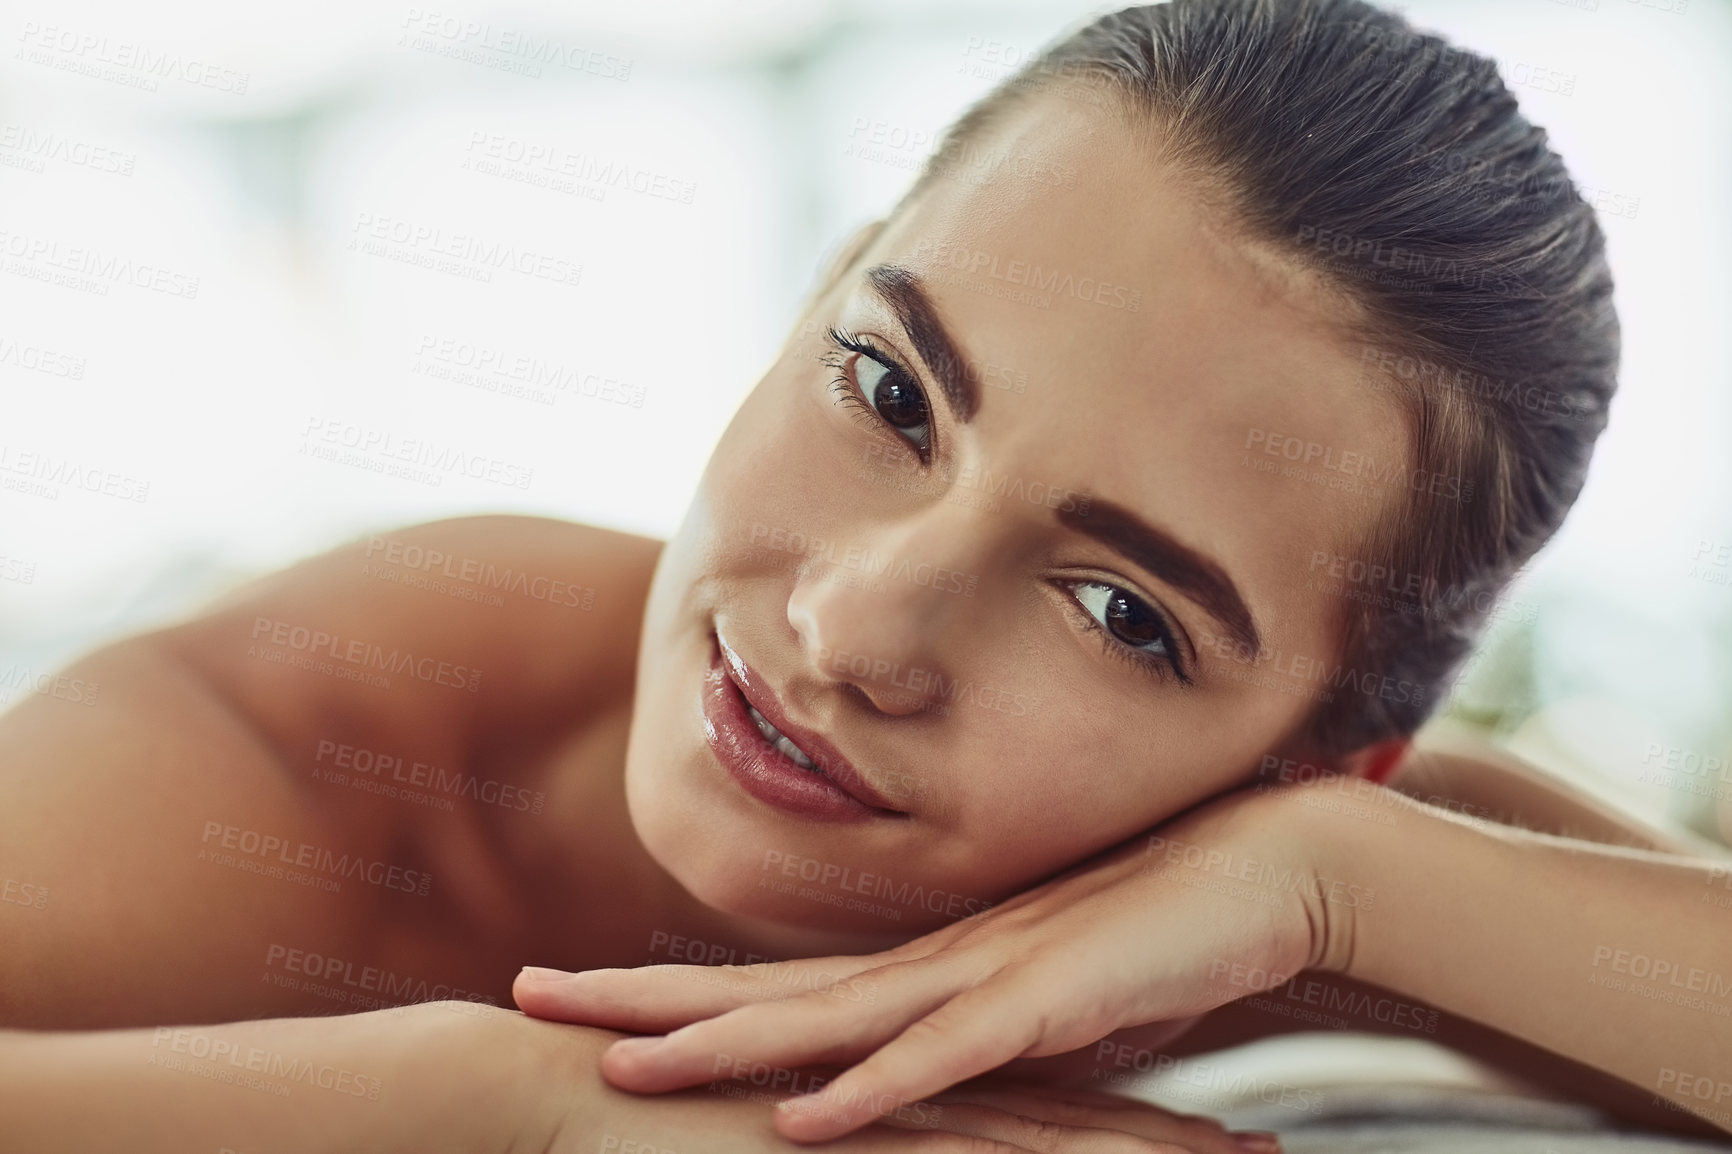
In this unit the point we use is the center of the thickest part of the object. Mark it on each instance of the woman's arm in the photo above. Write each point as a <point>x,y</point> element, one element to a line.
<point>1452,765</point>
<point>1618,958</point>
<point>466,1078</point>
<point>1611,957</point>
<point>382,1082</point>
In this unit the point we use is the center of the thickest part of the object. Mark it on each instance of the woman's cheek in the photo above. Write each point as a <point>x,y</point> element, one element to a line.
<point>756,454</point>
<point>772,484</point>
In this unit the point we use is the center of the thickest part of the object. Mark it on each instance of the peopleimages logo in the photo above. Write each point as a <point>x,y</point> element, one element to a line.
<point>74,689</point>
<point>34,256</point>
<point>474,570</point>
<point>500,155</point>
<point>266,854</point>
<point>1677,975</point>
<point>1268,875</point>
<point>1303,669</point>
<point>829,875</point>
<point>1471,384</point>
<point>46,472</point>
<point>414,458</point>
<point>34,147</point>
<point>121,61</point>
<point>270,1063</point>
<point>367,769</point>
<point>507,48</point>
<point>497,370</point>
<point>463,253</point>
<point>1355,464</point>
<point>303,639</point>
<point>387,987</point>
<point>1210,1084</point>
<point>38,359</point>
<point>1428,269</point>
<point>922,573</point>
<point>1309,991</point>
<point>914,476</point>
<point>1049,281</point>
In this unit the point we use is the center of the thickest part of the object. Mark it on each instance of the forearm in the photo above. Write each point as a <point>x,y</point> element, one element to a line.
<point>1317,999</point>
<point>1616,958</point>
<point>305,1084</point>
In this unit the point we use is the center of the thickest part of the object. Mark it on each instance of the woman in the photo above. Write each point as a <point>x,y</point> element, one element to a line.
<point>1026,715</point>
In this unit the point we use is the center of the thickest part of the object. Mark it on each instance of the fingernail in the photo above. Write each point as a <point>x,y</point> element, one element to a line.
<point>537,974</point>
<point>1256,1141</point>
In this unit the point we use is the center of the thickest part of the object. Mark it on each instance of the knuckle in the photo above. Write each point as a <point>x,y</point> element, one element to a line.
<point>916,1045</point>
<point>1042,1133</point>
<point>928,1029</point>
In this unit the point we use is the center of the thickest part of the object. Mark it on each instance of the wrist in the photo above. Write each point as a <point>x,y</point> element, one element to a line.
<point>1411,869</point>
<point>481,1072</point>
<point>1340,828</point>
<point>460,1063</point>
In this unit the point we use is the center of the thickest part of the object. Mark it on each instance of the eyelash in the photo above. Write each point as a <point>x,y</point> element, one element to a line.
<point>1158,666</point>
<point>847,393</point>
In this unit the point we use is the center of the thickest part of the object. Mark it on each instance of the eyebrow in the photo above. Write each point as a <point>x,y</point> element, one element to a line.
<point>1177,564</point>
<point>1113,525</point>
<point>901,289</point>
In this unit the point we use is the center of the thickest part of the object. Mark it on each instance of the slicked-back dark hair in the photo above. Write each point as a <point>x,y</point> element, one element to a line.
<point>1399,168</point>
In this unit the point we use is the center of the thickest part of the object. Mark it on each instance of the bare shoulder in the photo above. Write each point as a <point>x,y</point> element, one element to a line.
<point>437,633</point>
<point>164,841</point>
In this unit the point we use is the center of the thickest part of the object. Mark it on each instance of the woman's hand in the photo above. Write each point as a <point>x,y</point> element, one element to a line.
<point>566,1108</point>
<point>1214,906</point>
<point>731,1119</point>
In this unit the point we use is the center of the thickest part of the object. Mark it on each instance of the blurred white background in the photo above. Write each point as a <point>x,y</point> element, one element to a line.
<point>689,174</point>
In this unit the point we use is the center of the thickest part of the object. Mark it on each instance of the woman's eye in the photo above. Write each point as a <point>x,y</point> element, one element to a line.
<point>896,398</point>
<point>889,392</point>
<point>1132,622</point>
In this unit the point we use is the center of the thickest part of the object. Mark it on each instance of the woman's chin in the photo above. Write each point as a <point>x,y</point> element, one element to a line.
<point>739,886</point>
<point>749,902</point>
<point>730,876</point>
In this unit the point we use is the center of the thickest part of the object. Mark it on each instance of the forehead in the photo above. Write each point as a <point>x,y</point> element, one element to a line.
<point>1132,348</point>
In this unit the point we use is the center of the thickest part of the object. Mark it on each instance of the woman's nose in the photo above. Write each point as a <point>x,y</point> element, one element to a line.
<point>882,616</point>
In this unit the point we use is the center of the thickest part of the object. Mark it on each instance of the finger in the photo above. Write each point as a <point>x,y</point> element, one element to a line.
<point>924,1142</point>
<point>1044,1135</point>
<point>1113,1112</point>
<point>814,1028</point>
<point>1101,1103</point>
<point>975,1031</point>
<point>656,999</point>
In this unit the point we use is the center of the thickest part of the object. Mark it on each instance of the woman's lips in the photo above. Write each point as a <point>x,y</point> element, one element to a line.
<point>832,792</point>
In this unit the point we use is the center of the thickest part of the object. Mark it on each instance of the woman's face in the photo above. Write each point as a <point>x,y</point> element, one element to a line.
<point>1003,551</point>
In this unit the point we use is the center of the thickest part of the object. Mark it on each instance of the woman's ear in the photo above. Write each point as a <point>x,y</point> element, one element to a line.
<point>1377,762</point>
